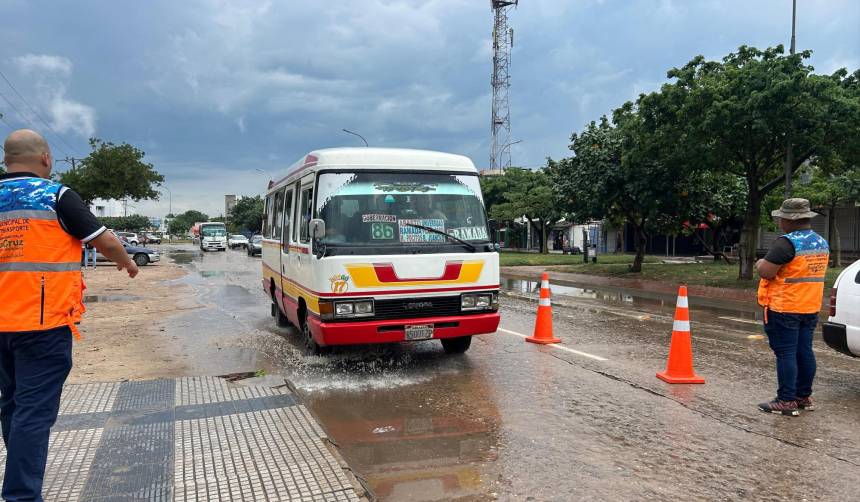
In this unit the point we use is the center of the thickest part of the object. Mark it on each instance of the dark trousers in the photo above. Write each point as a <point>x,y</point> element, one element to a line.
<point>790,337</point>
<point>33,368</point>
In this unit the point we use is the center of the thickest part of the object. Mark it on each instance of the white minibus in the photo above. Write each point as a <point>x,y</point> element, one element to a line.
<point>373,245</point>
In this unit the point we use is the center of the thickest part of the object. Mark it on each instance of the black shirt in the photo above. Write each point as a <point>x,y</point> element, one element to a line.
<point>75,217</point>
<point>782,251</point>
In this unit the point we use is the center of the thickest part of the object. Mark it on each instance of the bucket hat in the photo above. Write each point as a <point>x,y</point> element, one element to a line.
<point>794,209</point>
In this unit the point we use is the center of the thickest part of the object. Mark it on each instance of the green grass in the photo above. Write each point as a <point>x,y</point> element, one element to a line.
<point>516,258</point>
<point>701,274</point>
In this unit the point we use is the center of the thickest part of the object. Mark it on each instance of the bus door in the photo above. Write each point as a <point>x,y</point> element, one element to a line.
<point>301,240</point>
<point>284,254</point>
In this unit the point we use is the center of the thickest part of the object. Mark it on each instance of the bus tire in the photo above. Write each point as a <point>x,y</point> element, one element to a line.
<point>312,348</point>
<point>280,319</point>
<point>456,345</point>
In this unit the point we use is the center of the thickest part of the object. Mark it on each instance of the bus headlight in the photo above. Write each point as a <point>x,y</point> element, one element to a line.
<point>479,301</point>
<point>343,309</point>
<point>364,308</point>
<point>358,308</point>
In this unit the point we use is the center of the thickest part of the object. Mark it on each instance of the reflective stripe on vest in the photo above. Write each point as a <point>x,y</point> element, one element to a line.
<point>25,266</point>
<point>798,287</point>
<point>41,286</point>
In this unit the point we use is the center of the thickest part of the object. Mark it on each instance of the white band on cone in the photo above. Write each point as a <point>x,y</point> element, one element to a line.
<point>681,326</point>
<point>682,302</point>
<point>544,302</point>
<point>544,284</point>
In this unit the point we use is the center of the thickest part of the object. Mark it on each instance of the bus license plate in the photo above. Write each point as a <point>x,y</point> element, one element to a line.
<point>419,332</point>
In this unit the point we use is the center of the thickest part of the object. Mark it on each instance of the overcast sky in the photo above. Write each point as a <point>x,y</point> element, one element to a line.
<point>213,90</point>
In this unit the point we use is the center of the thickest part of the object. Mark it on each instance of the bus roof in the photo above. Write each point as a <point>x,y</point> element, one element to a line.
<point>379,158</point>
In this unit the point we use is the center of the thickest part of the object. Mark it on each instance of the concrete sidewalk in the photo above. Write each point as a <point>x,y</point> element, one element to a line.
<point>190,439</point>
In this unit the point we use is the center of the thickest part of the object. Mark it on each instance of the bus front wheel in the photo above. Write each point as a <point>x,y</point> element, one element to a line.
<point>456,345</point>
<point>312,348</point>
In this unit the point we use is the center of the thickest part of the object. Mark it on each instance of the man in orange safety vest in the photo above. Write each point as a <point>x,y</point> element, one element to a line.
<point>791,289</point>
<point>43,225</point>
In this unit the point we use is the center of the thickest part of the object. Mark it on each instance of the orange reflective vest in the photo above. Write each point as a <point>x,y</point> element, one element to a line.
<point>41,286</point>
<point>798,287</point>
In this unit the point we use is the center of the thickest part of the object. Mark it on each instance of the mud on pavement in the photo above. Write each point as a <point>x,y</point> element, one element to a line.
<point>124,327</point>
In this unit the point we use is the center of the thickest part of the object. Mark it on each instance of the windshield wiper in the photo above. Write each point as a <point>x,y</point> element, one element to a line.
<point>446,234</point>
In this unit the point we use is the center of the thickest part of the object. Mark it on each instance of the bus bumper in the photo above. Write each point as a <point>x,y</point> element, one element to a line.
<point>367,332</point>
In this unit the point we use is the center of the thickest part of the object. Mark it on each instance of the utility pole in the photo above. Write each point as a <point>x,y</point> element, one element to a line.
<point>789,147</point>
<point>500,122</point>
<point>69,160</point>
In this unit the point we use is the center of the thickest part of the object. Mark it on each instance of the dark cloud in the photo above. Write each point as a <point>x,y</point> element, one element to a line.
<point>215,89</point>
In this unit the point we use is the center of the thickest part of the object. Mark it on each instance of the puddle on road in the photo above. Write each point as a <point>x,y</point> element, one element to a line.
<point>110,298</point>
<point>640,299</point>
<point>182,257</point>
<point>429,443</point>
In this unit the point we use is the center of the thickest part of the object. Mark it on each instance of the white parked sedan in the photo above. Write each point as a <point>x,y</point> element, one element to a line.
<point>842,329</point>
<point>237,241</point>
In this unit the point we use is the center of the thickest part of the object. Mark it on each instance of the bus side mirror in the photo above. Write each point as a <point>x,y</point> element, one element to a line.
<point>317,228</point>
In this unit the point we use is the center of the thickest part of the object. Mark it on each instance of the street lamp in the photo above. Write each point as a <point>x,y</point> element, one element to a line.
<point>789,148</point>
<point>356,134</point>
<point>169,199</point>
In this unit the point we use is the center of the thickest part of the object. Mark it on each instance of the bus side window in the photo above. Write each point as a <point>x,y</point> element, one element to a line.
<point>279,214</point>
<point>267,218</point>
<point>305,213</point>
<point>288,213</point>
<point>297,216</point>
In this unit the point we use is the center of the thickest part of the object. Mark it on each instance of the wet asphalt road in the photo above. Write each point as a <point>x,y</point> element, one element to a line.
<point>515,421</point>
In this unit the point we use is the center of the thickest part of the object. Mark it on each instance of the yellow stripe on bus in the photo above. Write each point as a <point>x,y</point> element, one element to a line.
<point>364,276</point>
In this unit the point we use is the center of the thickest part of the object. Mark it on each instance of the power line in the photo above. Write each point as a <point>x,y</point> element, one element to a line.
<point>11,104</point>
<point>36,113</point>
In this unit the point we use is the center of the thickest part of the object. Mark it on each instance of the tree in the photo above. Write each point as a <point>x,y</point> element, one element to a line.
<point>830,187</point>
<point>133,223</point>
<point>614,175</point>
<point>740,112</point>
<point>493,188</point>
<point>183,222</point>
<point>113,172</point>
<point>247,213</point>
<point>528,194</point>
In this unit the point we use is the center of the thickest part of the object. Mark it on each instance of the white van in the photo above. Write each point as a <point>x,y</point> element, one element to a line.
<point>842,329</point>
<point>373,245</point>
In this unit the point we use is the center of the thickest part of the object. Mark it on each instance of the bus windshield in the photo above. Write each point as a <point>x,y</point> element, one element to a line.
<point>389,208</point>
<point>213,230</point>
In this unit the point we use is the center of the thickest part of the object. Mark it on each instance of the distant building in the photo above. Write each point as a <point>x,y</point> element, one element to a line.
<point>229,203</point>
<point>107,208</point>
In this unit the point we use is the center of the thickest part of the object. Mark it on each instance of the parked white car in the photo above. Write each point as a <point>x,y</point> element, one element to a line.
<point>842,329</point>
<point>129,237</point>
<point>237,241</point>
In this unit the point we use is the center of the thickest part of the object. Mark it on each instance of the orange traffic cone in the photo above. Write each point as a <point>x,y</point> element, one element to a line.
<point>543,325</point>
<point>679,367</point>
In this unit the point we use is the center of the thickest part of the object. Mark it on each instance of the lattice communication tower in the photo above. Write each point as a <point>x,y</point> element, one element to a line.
<point>503,41</point>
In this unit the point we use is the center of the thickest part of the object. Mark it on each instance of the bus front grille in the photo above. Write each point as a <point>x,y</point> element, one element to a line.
<point>410,308</point>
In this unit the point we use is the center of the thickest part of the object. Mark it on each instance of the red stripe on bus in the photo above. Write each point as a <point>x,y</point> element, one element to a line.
<point>385,273</point>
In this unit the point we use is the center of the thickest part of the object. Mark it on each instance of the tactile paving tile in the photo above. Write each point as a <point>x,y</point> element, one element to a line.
<point>194,439</point>
<point>205,390</point>
<point>145,395</point>
<point>70,456</point>
<point>133,462</point>
<point>262,455</point>
<point>88,398</point>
